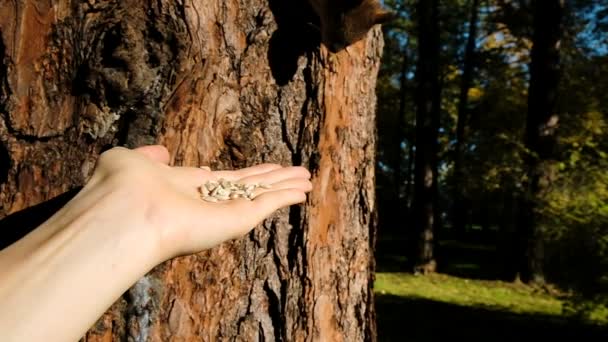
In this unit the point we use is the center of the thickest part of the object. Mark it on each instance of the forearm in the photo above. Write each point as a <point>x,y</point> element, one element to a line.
<point>58,282</point>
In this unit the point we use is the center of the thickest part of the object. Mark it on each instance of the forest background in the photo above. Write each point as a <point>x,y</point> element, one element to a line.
<point>493,157</point>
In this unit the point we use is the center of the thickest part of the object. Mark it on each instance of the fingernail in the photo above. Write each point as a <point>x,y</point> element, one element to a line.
<point>207,168</point>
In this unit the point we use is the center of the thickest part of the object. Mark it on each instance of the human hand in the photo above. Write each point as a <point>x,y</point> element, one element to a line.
<point>134,212</point>
<point>166,200</point>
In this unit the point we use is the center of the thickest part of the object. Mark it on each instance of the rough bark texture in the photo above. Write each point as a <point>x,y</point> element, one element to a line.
<point>541,134</point>
<point>220,83</point>
<point>427,130</point>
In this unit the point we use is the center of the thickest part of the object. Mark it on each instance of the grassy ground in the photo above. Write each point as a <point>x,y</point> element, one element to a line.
<point>462,303</point>
<point>491,295</point>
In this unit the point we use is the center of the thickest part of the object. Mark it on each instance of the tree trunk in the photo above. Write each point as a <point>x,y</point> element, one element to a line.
<point>427,125</point>
<point>402,176</point>
<point>400,131</point>
<point>506,243</point>
<point>409,182</point>
<point>221,83</point>
<point>460,209</point>
<point>540,138</point>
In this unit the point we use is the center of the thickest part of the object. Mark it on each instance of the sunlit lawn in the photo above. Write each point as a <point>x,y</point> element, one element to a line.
<point>453,290</point>
<point>438,307</point>
<point>463,302</point>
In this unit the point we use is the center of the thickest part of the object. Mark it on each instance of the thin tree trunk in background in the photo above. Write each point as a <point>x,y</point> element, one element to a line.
<point>427,125</point>
<point>208,80</point>
<point>507,237</point>
<point>540,138</point>
<point>484,218</point>
<point>459,214</point>
<point>411,155</point>
<point>400,175</point>
<point>404,176</point>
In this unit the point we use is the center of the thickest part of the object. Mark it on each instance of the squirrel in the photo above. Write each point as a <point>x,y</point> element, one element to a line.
<point>344,22</point>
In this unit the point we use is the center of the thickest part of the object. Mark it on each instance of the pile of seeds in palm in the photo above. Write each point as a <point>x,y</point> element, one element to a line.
<point>224,190</point>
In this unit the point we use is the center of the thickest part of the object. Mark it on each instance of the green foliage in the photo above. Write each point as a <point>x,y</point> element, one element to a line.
<point>576,207</point>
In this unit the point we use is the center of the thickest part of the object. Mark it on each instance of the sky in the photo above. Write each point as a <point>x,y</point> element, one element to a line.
<point>593,37</point>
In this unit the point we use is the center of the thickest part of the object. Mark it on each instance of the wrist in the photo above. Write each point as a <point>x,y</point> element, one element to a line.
<point>127,213</point>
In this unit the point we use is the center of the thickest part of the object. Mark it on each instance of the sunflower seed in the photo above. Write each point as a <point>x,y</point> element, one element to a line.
<point>223,189</point>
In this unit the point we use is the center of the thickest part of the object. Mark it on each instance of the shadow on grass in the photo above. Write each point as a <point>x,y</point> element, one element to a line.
<point>415,319</point>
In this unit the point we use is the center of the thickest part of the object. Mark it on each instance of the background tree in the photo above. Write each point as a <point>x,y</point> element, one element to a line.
<point>541,132</point>
<point>225,84</point>
<point>428,104</point>
<point>468,67</point>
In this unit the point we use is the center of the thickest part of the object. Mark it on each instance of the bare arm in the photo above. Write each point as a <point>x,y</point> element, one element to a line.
<point>133,214</point>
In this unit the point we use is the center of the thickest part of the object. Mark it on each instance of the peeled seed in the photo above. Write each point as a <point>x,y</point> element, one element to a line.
<point>211,185</point>
<point>222,190</point>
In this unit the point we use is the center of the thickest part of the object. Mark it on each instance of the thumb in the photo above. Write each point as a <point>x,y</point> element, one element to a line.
<point>263,206</point>
<point>157,153</point>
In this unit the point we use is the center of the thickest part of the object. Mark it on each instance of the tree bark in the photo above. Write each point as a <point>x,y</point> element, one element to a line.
<point>221,83</point>
<point>460,208</point>
<point>427,126</point>
<point>540,136</point>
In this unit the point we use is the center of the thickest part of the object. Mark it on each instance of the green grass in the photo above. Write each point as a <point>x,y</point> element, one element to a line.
<point>439,307</point>
<point>488,294</point>
<point>465,301</point>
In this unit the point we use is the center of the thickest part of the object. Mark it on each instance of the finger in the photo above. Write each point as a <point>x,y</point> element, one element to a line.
<point>276,176</point>
<point>266,204</point>
<point>193,177</point>
<point>231,220</point>
<point>301,184</point>
<point>190,177</point>
<point>252,213</point>
<point>157,153</point>
<point>233,175</point>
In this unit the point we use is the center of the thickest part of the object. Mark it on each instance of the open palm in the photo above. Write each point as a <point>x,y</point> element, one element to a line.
<point>171,199</point>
